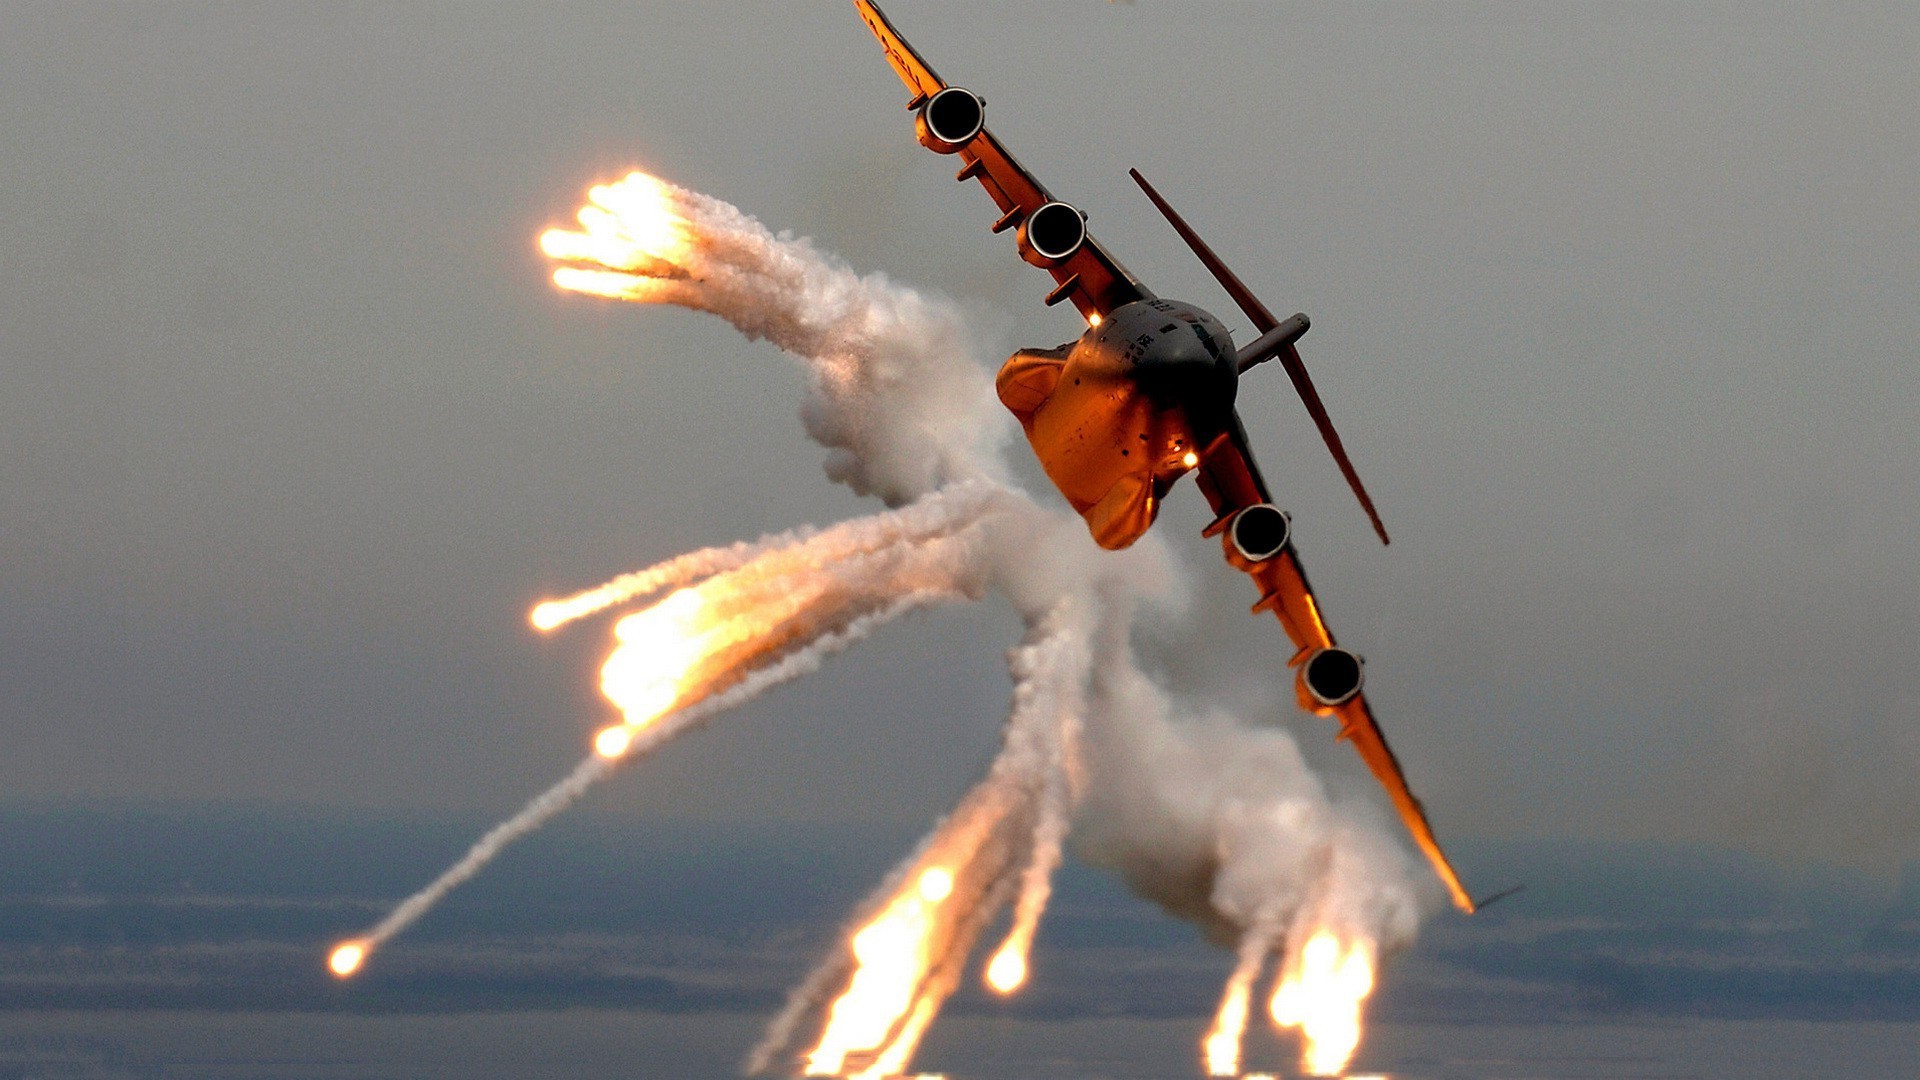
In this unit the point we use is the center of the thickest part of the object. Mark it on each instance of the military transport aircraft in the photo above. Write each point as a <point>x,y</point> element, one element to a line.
<point>1145,396</point>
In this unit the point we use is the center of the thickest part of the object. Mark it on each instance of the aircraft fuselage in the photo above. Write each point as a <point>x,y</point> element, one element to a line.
<point>1119,415</point>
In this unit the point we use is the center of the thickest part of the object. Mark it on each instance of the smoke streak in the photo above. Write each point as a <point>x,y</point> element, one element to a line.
<point>677,571</point>
<point>1050,676</point>
<point>596,767</point>
<point>1220,823</point>
<point>857,577</point>
<point>535,814</point>
<point>887,398</point>
<point>890,981</point>
<point>937,514</point>
<point>1226,826</point>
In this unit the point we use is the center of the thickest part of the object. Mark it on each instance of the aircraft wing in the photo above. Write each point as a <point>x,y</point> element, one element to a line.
<point>1231,482</point>
<point>1094,280</point>
<point>1357,726</point>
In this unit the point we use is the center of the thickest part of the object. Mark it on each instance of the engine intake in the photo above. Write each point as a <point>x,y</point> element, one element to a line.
<point>1259,532</point>
<point>949,120</point>
<point>1051,234</point>
<point>1330,677</point>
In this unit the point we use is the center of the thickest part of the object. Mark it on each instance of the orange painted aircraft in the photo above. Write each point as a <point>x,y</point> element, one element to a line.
<point>1146,396</point>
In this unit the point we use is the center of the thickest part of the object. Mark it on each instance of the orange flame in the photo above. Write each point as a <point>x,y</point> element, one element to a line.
<point>607,283</point>
<point>1007,971</point>
<point>651,666</point>
<point>1322,994</point>
<point>346,958</point>
<point>891,952</point>
<point>1222,1044</point>
<point>888,1065</point>
<point>633,233</point>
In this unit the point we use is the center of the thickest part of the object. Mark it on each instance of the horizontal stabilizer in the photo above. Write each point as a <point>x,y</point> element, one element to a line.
<point>1274,342</point>
<point>1289,358</point>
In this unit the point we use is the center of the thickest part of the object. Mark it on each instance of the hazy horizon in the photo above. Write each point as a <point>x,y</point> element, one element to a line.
<point>1613,306</point>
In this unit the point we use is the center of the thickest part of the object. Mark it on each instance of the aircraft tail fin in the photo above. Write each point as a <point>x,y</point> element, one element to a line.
<point>1275,342</point>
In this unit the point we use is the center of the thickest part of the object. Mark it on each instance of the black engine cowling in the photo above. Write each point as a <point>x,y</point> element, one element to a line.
<point>1257,533</point>
<point>949,120</point>
<point>1051,234</point>
<point>1330,677</point>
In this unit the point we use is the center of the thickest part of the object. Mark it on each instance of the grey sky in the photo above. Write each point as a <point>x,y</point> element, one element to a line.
<point>1613,305</point>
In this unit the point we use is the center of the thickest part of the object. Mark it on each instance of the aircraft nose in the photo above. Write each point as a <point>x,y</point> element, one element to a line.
<point>1187,372</point>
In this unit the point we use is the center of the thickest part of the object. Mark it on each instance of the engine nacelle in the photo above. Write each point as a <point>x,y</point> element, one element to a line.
<point>1329,678</point>
<point>1255,534</point>
<point>949,120</point>
<point>1050,235</point>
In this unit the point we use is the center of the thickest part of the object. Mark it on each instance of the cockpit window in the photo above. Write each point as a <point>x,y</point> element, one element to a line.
<point>1206,340</point>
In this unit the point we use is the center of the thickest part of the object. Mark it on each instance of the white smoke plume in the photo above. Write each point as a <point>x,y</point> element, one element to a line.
<point>1219,822</point>
<point>1225,825</point>
<point>898,415</point>
<point>908,945</point>
<point>595,767</point>
<point>1222,822</point>
<point>936,515</point>
<point>1048,711</point>
<point>859,575</point>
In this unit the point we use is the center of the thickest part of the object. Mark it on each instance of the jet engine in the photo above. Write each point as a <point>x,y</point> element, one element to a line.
<point>1330,677</point>
<point>1050,235</point>
<point>949,120</point>
<point>1255,534</point>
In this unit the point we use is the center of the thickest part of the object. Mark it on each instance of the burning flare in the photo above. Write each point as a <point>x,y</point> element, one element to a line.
<point>892,952</point>
<point>634,229</point>
<point>652,666</point>
<point>1007,971</point>
<point>716,643</point>
<point>906,419</point>
<point>346,958</point>
<point>876,997</point>
<point>1222,1044</point>
<point>1221,1047</point>
<point>1322,993</point>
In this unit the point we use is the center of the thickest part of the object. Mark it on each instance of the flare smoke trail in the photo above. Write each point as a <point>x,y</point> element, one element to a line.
<point>1226,826</point>
<point>859,575</point>
<point>936,515</point>
<point>1220,1050</point>
<point>1049,677</point>
<point>893,396</point>
<point>1219,823</point>
<point>908,945</point>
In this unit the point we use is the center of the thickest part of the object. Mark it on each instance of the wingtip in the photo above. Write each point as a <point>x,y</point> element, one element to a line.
<point>1462,900</point>
<point>1141,183</point>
